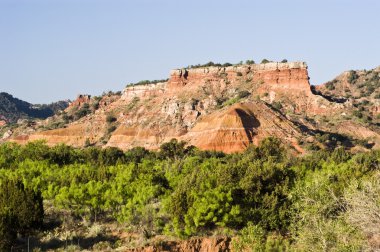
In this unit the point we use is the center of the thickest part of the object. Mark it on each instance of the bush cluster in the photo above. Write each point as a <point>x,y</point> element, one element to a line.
<point>21,210</point>
<point>146,82</point>
<point>271,200</point>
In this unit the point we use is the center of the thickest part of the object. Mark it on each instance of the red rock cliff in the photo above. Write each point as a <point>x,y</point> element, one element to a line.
<point>276,76</point>
<point>200,106</point>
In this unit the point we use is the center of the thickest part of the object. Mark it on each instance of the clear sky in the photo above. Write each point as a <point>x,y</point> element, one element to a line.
<point>55,49</point>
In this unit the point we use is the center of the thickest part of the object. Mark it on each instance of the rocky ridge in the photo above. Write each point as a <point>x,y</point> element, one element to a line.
<point>216,108</point>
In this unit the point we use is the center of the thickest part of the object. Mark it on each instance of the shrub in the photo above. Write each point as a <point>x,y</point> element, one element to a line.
<point>330,85</point>
<point>133,103</point>
<point>210,64</point>
<point>231,101</point>
<point>227,64</point>
<point>357,113</point>
<point>110,119</point>
<point>277,105</point>
<point>243,94</point>
<point>137,154</point>
<point>62,154</point>
<point>111,129</point>
<point>146,82</point>
<point>87,143</point>
<point>111,155</point>
<point>319,213</point>
<point>255,238</point>
<point>239,74</point>
<point>174,149</point>
<point>352,77</point>
<point>212,207</point>
<point>66,118</point>
<point>83,111</point>
<point>95,105</point>
<point>36,150</point>
<point>21,210</point>
<point>363,208</point>
<point>7,230</point>
<point>264,61</point>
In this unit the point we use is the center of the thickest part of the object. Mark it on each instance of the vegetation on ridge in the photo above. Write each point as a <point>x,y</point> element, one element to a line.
<point>146,82</point>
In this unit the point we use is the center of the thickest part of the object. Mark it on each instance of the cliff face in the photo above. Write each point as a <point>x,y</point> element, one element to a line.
<point>286,83</point>
<point>276,76</point>
<point>216,108</point>
<point>191,106</point>
<point>140,91</point>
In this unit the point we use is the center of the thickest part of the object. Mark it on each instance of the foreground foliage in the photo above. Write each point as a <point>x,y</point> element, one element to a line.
<point>270,201</point>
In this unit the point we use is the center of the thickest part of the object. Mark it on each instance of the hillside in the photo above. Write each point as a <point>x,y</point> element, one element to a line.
<point>359,88</point>
<point>13,109</point>
<point>223,108</point>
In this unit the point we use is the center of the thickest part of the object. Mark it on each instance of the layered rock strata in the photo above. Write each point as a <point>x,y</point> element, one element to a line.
<point>199,106</point>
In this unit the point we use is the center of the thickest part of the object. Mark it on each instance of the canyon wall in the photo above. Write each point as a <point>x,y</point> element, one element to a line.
<point>202,106</point>
<point>274,76</point>
<point>281,76</point>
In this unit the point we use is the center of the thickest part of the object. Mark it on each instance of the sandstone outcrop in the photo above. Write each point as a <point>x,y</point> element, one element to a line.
<point>276,76</point>
<point>80,100</point>
<point>147,90</point>
<point>235,128</point>
<point>75,135</point>
<point>215,108</point>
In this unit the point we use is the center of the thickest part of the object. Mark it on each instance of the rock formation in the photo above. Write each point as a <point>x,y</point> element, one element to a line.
<point>216,108</point>
<point>235,128</point>
<point>148,90</point>
<point>276,76</point>
<point>80,100</point>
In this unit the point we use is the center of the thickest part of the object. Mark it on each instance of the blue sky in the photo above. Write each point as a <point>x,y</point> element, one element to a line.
<point>55,49</point>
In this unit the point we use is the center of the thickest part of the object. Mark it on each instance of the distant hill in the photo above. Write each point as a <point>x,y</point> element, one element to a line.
<point>356,85</point>
<point>361,88</point>
<point>12,109</point>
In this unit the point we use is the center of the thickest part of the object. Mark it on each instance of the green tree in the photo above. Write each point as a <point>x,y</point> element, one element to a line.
<point>62,154</point>
<point>174,149</point>
<point>137,154</point>
<point>8,232</point>
<point>111,155</point>
<point>214,207</point>
<point>23,203</point>
<point>36,150</point>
